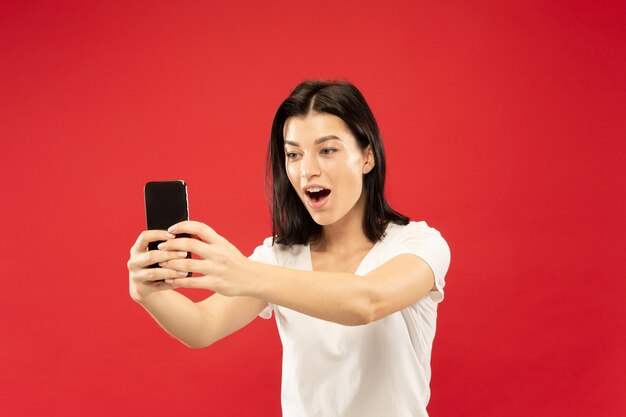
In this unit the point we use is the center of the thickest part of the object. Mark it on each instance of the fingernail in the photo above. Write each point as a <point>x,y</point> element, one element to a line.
<point>181,274</point>
<point>160,245</point>
<point>171,229</point>
<point>171,236</point>
<point>182,254</point>
<point>162,264</point>
<point>169,281</point>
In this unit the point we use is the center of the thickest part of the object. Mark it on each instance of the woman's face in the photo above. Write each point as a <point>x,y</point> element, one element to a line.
<point>326,166</point>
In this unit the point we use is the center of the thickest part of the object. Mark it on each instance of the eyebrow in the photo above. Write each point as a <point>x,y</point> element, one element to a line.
<point>317,141</point>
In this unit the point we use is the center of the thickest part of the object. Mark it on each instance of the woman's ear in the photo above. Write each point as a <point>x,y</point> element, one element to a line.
<point>369,159</point>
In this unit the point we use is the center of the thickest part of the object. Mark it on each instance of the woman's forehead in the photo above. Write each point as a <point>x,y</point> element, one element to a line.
<point>315,128</point>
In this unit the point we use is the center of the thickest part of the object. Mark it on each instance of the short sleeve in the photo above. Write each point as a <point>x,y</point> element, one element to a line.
<point>419,239</point>
<point>265,254</point>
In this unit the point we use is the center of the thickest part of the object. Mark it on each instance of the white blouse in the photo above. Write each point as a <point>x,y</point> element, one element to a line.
<point>378,369</point>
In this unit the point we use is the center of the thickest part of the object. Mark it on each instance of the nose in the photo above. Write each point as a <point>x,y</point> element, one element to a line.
<point>310,167</point>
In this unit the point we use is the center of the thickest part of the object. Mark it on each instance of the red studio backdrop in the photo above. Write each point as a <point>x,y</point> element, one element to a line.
<point>504,126</point>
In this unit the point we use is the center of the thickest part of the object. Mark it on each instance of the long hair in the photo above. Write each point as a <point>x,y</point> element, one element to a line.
<point>291,222</point>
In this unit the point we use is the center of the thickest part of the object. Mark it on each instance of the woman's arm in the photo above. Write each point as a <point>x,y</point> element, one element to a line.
<point>342,297</point>
<point>339,297</point>
<point>201,324</point>
<point>194,324</point>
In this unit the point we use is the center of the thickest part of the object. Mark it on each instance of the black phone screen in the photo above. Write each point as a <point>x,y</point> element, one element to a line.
<point>166,205</point>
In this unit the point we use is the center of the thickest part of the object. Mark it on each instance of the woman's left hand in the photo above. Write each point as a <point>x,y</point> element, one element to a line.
<point>222,267</point>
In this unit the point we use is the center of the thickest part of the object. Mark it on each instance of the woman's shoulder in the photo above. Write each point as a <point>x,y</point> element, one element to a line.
<point>414,236</point>
<point>272,244</point>
<point>412,228</point>
<point>276,253</point>
<point>417,238</point>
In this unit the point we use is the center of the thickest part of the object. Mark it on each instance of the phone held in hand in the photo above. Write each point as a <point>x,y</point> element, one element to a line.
<point>166,205</point>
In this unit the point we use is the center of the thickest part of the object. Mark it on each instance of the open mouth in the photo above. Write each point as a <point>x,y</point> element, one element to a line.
<point>316,194</point>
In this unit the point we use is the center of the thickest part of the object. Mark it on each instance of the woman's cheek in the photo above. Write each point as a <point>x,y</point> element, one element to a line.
<point>294,178</point>
<point>291,171</point>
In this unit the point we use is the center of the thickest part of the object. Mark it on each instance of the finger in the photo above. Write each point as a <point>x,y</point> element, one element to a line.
<point>144,259</point>
<point>186,265</point>
<point>147,236</point>
<point>155,274</point>
<point>199,282</point>
<point>186,244</point>
<point>160,284</point>
<point>203,231</point>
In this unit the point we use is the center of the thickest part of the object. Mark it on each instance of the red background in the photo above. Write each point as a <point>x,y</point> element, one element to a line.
<point>504,125</point>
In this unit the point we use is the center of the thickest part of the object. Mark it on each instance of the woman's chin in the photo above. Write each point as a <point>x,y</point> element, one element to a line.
<point>322,219</point>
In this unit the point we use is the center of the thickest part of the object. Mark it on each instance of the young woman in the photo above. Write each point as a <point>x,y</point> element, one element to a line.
<point>353,284</point>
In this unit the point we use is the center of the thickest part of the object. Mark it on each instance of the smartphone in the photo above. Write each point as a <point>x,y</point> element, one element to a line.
<point>166,205</point>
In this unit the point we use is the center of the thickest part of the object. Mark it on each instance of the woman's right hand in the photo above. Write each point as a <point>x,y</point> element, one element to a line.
<point>144,280</point>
